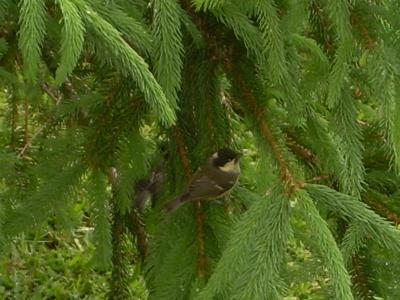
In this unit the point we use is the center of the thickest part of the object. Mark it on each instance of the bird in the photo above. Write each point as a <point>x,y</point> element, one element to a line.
<point>212,180</point>
<point>146,190</point>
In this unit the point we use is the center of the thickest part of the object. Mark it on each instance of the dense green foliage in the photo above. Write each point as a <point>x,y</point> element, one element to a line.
<point>98,95</point>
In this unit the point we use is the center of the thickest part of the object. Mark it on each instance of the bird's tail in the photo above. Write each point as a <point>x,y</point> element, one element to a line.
<point>173,205</point>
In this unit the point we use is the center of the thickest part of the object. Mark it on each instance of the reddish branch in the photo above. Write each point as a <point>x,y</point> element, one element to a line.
<point>357,22</point>
<point>360,277</point>
<point>26,122</point>
<point>54,95</point>
<point>201,258</point>
<point>381,209</point>
<point>137,228</point>
<point>14,122</point>
<point>300,150</point>
<point>319,178</point>
<point>182,152</point>
<point>292,185</point>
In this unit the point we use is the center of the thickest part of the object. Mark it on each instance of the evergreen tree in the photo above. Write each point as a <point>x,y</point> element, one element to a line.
<point>97,95</point>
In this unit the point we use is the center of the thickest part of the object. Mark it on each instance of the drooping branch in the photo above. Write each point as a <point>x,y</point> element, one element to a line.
<point>300,150</point>
<point>182,153</point>
<point>118,287</point>
<point>381,209</point>
<point>14,122</point>
<point>292,184</point>
<point>136,227</point>
<point>359,277</point>
<point>201,256</point>
<point>56,96</point>
<point>26,122</point>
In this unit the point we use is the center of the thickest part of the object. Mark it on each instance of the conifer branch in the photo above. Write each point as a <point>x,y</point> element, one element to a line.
<point>300,150</point>
<point>182,151</point>
<point>370,42</point>
<point>129,63</point>
<point>31,35</point>
<point>56,97</point>
<point>14,122</point>
<point>72,39</point>
<point>118,285</point>
<point>136,227</point>
<point>381,209</point>
<point>102,238</point>
<point>26,122</point>
<point>118,288</point>
<point>359,277</point>
<point>168,47</point>
<point>328,248</point>
<point>209,4</point>
<point>292,184</point>
<point>201,256</point>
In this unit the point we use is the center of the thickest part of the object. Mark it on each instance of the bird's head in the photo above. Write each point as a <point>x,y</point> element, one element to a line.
<point>226,160</point>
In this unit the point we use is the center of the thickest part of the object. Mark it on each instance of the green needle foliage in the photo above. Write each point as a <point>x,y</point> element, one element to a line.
<point>72,40</point>
<point>32,31</point>
<point>106,104</point>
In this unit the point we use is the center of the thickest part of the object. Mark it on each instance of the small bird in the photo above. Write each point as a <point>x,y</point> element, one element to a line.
<point>146,190</point>
<point>212,180</point>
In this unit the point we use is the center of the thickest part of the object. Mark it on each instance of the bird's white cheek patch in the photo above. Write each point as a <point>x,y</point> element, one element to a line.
<point>230,167</point>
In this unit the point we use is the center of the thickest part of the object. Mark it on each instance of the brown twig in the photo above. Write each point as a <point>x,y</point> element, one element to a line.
<point>56,96</point>
<point>300,150</point>
<point>318,178</point>
<point>381,209</point>
<point>137,228</point>
<point>201,256</point>
<point>182,152</point>
<point>359,277</point>
<point>26,122</point>
<point>292,184</point>
<point>14,122</point>
<point>356,22</point>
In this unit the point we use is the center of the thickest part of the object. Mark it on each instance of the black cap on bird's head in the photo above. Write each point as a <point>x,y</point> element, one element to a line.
<point>222,156</point>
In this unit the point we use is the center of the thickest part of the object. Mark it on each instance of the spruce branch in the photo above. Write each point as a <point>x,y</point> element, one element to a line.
<point>129,23</point>
<point>31,35</point>
<point>381,208</point>
<point>169,49</point>
<point>356,22</point>
<point>319,178</point>
<point>300,150</point>
<point>26,122</point>
<point>201,256</point>
<point>209,4</point>
<point>118,285</point>
<point>182,151</point>
<point>363,221</point>
<point>244,30</point>
<point>360,278</point>
<point>347,128</point>
<point>102,238</point>
<point>56,96</point>
<point>292,185</point>
<point>136,226</point>
<point>14,122</point>
<point>3,9</point>
<point>273,44</point>
<point>129,63</point>
<point>72,39</point>
<point>250,265</point>
<point>327,247</point>
<point>339,14</point>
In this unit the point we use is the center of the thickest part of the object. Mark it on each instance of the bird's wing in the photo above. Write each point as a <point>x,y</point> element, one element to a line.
<point>204,187</point>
